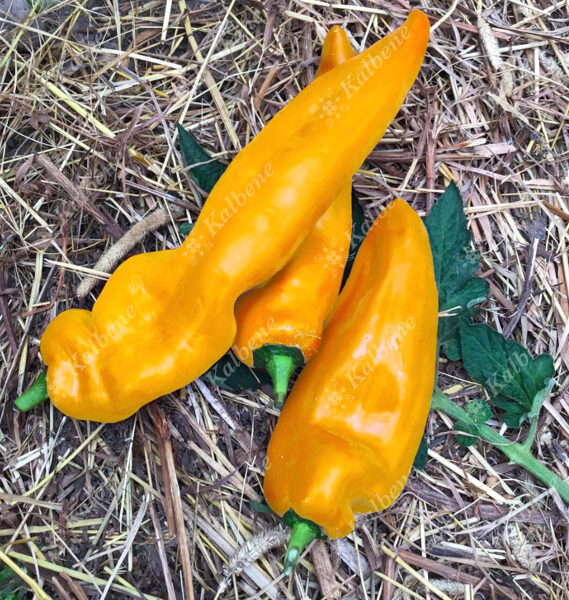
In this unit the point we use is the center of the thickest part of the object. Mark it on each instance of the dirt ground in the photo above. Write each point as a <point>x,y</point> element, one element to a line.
<point>14,9</point>
<point>160,502</point>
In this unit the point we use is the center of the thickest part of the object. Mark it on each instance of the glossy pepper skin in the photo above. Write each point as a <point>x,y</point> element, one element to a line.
<point>349,431</point>
<point>164,318</point>
<point>279,324</point>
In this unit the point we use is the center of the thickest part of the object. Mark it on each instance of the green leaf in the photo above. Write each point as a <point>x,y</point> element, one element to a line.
<point>185,228</point>
<point>6,574</point>
<point>505,368</point>
<point>465,440</point>
<point>360,227</point>
<point>422,455</point>
<point>231,374</point>
<point>540,398</point>
<point>449,236</point>
<point>261,507</point>
<point>514,414</point>
<point>11,587</point>
<point>455,265</point>
<point>449,338</point>
<point>41,6</point>
<point>478,410</point>
<point>203,169</point>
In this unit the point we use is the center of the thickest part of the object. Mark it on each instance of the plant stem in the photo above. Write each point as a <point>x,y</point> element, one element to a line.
<point>34,395</point>
<point>519,454</point>
<point>528,442</point>
<point>303,532</point>
<point>536,407</point>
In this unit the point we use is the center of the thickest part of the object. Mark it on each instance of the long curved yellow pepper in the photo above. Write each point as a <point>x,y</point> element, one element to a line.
<point>164,317</point>
<point>349,431</point>
<point>279,324</point>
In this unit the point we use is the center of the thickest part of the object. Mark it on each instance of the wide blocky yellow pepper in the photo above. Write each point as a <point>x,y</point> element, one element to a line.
<point>164,317</point>
<point>279,324</point>
<point>349,431</point>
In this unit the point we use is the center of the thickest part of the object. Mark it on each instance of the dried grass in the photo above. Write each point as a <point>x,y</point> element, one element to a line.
<point>144,508</point>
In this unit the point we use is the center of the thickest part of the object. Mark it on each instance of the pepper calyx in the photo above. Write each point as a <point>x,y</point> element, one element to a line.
<point>280,362</point>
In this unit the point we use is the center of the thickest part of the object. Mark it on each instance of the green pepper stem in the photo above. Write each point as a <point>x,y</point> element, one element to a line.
<point>519,454</point>
<point>36,394</point>
<point>280,362</point>
<point>303,532</point>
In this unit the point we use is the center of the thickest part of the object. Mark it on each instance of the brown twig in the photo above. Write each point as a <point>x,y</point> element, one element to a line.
<point>6,314</point>
<point>78,195</point>
<point>526,292</point>
<point>324,570</point>
<point>116,253</point>
<point>454,574</point>
<point>172,489</point>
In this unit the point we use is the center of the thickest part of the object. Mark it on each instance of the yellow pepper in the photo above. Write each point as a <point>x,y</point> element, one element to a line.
<point>349,431</point>
<point>164,317</point>
<point>279,324</point>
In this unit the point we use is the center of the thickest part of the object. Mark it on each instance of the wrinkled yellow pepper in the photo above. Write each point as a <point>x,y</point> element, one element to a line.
<point>164,317</point>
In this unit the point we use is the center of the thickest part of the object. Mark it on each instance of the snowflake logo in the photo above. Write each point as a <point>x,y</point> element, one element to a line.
<point>195,247</point>
<point>334,397</point>
<point>472,257</point>
<point>333,259</point>
<point>329,108</point>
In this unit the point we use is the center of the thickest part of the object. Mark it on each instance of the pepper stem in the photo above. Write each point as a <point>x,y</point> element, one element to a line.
<point>280,362</point>
<point>303,532</point>
<point>36,394</point>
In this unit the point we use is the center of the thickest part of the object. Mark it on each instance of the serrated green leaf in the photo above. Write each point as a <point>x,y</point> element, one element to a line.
<point>465,440</point>
<point>231,374</point>
<point>505,368</point>
<point>202,168</point>
<point>422,455</point>
<point>478,410</point>
<point>449,237</point>
<point>455,265</point>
